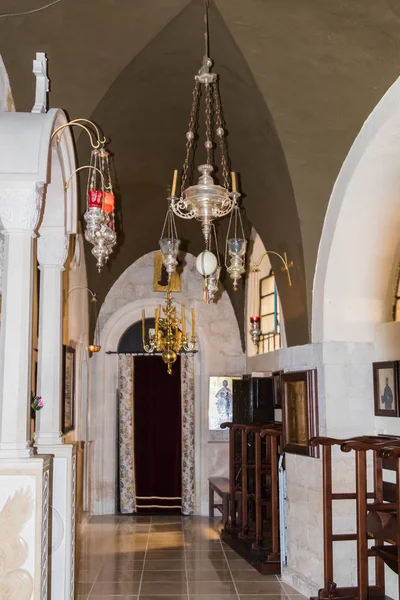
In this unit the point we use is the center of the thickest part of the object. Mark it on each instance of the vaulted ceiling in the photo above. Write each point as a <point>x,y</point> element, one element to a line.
<point>298,78</point>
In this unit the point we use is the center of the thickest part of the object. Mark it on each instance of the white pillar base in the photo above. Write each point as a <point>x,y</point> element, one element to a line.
<point>25,487</point>
<point>49,439</point>
<point>62,544</point>
<point>10,450</point>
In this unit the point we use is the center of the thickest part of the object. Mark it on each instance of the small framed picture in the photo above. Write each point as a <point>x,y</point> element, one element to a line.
<point>68,413</point>
<point>277,388</point>
<point>300,412</point>
<point>386,388</point>
<point>220,401</point>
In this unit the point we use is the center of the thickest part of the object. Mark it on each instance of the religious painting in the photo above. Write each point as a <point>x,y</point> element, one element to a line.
<point>160,280</point>
<point>220,401</point>
<point>68,413</point>
<point>386,396</point>
<point>299,412</point>
<point>277,388</point>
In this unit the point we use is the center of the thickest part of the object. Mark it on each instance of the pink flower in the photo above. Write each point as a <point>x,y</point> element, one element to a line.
<point>40,402</point>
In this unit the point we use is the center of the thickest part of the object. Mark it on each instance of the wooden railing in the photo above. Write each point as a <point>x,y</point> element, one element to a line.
<point>254,492</point>
<point>385,453</point>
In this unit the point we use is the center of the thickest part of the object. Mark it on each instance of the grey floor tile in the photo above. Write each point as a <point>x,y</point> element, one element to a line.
<point>153,588</point>
<point>222,575</point>
<point>164,576</point>
<point>116,588</point>
<point>211,587</point>
<point>252,575</point>
<point>259,587</point>
<point>206,564</point>
<point>108,575</point>
<point>165,565</point>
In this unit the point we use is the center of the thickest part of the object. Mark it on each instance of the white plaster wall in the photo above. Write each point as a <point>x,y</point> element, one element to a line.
<point>345,405</point>
<point>352,299</point>
<point>357,255</point>
<point>220,353</point>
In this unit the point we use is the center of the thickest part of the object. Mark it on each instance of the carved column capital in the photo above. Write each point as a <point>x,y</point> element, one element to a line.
<point>52,248</point>
<point>20,208</point>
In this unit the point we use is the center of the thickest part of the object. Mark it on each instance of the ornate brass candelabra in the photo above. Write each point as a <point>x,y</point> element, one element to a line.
<point>170,335</point>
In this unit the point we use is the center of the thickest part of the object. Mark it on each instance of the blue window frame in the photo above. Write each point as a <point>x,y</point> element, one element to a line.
<point>269,314</point>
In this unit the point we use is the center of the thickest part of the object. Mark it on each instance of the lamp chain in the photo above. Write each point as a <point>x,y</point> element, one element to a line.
<point>190,134</point>
<point>219,123</point>
<point>208,115</point>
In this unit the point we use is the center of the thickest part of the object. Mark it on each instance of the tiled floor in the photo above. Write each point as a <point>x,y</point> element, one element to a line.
<point>150,558</point>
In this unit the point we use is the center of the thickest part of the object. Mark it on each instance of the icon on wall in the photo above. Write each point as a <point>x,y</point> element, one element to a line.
<point>160,281</point>
<point>386,395</point>
<point>220,401</point>
<point>68,413</point>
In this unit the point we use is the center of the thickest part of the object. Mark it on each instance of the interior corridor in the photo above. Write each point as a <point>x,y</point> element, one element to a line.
<point>170,557</point>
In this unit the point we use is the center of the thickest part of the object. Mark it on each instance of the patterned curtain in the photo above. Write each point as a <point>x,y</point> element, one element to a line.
<point>125,434</point>
<point>187,390</point>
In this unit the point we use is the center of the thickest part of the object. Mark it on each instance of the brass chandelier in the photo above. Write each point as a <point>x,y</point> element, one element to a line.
<point>170,336</point>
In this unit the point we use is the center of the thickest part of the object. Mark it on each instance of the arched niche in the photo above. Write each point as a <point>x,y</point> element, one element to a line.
<point>354,279</point>
<point>220,353</point>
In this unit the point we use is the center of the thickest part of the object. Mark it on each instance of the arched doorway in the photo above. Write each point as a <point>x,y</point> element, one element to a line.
<point>155,424</point>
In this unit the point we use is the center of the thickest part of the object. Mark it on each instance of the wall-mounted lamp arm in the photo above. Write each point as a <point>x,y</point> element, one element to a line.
<point>254,267</point>
<point>83,287</point>
<point>66,184</point>
<point>78,123</point>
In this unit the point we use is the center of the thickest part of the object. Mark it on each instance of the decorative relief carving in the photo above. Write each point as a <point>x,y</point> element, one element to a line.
<point>73,526</point>
<point>20,208</point>
<point>15,583</point>
<point>45,536</point>
<point>52,249</point>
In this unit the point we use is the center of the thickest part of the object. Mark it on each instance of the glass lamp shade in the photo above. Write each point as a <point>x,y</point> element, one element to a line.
<point>169,249</point>
<point>169,246</point>
<point>237,246</point>
<point>206,263</point>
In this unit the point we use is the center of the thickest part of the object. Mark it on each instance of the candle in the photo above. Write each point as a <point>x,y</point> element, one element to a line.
<point>193,324</point>
<point>173,190</point>
<point>183,320</point>
<point>143,325</point>
<point>234,188</point>
<point>157,315</point>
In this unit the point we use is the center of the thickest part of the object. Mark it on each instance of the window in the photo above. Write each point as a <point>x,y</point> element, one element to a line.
<point>270,338</point>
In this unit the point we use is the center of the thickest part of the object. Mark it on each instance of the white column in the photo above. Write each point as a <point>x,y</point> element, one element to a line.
<point>52,254</point>
<point>19,213</point>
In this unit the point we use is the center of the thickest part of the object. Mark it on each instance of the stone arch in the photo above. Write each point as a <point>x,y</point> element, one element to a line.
<point>357,256</point>
<point>219,352</point>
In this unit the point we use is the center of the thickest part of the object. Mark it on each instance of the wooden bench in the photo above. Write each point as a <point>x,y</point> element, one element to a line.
<point>219,486</point>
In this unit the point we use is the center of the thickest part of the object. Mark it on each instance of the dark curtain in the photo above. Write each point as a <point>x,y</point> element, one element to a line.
<point>158,434</point>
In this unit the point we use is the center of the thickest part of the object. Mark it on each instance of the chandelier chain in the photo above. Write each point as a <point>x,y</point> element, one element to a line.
<point>190,138</point>
<point>219,122</point>
<point>208,115</point>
